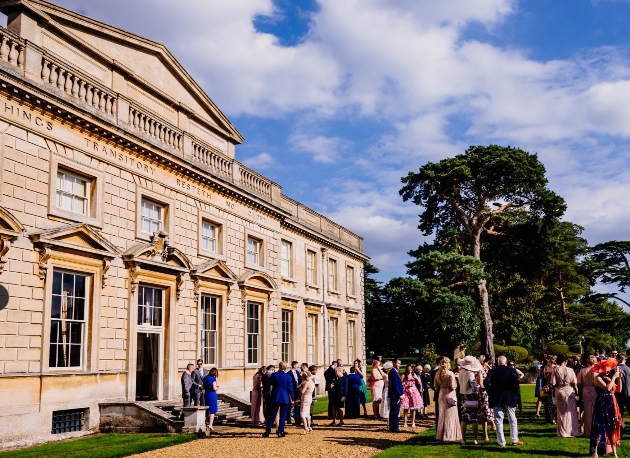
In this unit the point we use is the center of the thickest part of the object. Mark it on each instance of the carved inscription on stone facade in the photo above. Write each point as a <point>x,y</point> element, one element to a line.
<point>124,158</point>
<point>193,188</point>
<point>25,115</point>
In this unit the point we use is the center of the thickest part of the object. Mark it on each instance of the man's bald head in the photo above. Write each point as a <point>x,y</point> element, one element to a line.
<point>502,361</point>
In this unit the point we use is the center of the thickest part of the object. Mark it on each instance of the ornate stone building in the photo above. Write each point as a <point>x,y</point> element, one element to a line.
<point>131,239</point>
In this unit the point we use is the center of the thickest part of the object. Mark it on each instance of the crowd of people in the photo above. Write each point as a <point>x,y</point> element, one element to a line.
<point>585,396</point>
<point>580,396</point>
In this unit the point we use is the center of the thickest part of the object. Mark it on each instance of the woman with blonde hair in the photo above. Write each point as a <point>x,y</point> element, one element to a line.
<point>565,385</point>
<point>377,381</point>
<point>448,428</point>
<point>587,393</point>
<point>306,389</point>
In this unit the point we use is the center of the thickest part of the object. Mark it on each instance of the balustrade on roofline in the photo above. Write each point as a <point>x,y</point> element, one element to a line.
<point>156,128</point>
<point>72,82</point>
<point>12,49</point>
<point>217,162</point>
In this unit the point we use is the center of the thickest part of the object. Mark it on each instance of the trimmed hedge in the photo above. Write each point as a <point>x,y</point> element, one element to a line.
<point>512,352</point>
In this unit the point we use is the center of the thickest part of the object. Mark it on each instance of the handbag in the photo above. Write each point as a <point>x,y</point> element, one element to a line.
<point>471,404</point>
<point>450,402</point>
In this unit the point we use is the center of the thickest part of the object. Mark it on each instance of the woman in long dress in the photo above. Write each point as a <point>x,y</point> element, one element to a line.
<point>586,388</point>
<point>385,404</point>
<point>307,387</point>
<point>469,389</point>
<point>564,382</point>
<point>448,429</point>
<point>353,399</point>
<point>364,394</point>
<point>486,414</point>
<point>210,393</point>
<point>412,400</point>
<point>378,384</point>
<point>257,412</point>
<point>547,386</point>
<point>607,422</point>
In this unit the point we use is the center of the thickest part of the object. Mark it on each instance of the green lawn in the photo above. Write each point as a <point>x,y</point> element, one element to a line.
<point>102,446</point>
<point>540,441</point>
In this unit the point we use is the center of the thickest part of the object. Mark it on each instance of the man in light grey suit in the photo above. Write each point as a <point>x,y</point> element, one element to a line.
<point>187,384</point>
<point>197,377</point>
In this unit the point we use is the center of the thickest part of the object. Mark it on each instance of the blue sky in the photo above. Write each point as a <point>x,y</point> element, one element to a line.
<point>338,99</point>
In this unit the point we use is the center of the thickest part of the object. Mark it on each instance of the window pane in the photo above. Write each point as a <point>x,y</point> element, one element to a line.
<point>68,315</point>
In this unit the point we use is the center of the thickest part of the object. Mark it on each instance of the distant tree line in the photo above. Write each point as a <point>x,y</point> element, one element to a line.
<point>502,266</point>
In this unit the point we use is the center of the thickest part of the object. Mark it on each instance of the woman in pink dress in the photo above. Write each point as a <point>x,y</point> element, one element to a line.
<point>586,389</point>
<point>565,385</point>
<point>448,429</point>
<point>412,398</point>
<point>377,381</point>
<point>257,413</point>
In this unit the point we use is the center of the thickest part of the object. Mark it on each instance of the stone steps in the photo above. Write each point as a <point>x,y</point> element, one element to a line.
<point>225,414</point>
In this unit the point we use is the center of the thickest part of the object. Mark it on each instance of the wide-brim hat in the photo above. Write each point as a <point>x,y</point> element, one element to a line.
<point>470,363</point>
<point>388,365</point>
<point>604,365</point>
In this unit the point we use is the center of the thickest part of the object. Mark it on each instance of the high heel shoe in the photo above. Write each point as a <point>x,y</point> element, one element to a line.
<point>413,425</point>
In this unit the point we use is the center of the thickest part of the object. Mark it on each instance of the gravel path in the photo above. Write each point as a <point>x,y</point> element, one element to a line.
<point>357,438</point>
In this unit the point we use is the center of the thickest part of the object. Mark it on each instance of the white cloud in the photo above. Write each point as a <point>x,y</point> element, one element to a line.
<point>406,65</point>
<point>322,148</point>
<point>260,161</point>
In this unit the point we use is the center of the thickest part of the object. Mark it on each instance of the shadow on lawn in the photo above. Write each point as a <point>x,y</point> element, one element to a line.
<point>428,441</point>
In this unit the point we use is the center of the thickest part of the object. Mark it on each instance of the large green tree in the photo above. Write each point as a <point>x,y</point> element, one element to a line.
<point>471,192</point>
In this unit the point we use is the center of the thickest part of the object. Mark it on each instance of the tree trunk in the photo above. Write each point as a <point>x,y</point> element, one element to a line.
<point>563,302</point>
<point>487,337</point>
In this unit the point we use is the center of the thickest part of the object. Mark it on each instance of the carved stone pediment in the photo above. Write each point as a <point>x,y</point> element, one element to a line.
<point>79,239</point>
<point>213,270</point>
<point>253,279</point>
<point>157,255</point>
<point>10,229</point>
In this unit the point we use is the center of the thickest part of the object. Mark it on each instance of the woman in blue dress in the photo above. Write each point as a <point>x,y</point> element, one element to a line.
<point>353,400</point>
<point>210,387</point>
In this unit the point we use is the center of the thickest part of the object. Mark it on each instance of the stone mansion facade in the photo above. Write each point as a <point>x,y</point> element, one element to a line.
<point>133,242</point>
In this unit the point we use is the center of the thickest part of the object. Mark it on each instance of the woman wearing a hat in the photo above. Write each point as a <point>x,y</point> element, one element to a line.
<point>469,390</point>
<point>607,422</point>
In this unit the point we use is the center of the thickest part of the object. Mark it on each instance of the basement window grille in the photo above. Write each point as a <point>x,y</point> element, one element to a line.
<point>65,421</point>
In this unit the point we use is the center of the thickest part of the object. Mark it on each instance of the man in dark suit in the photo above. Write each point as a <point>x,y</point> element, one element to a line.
<point>187,384</point>
<point>266,390</point>
<point>297,379</point>
<point>502,386</point>
<point>197,378</point>
<point>281,398</point>
<point>329,376</point>
<point>395,394</point>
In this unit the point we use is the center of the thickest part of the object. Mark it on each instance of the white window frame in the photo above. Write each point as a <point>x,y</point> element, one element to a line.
<point>260,261</point>
<point>286,334</point>
<point>84,322</point>
<point>67,178</point>
<point>160,219</point>
<point>352,326</point>
<point>314,276</point>
<point>351,286</point>
<point>168,206</point>
<point>333,275</point>
<point>210,353</point>
<point>311,338</point>
<point>253,333</point>
<point>333,335</point>
<point>286,258</point>
<point>150,325</point>
<point>221,245</point>
<point>94,186</point>
<point>213,238</point>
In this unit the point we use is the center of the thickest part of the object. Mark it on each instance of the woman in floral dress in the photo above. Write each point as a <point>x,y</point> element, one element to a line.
<point>607,421</point>
<point>412,399</point>
<point>550,403</point>
<point>486,414</point>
